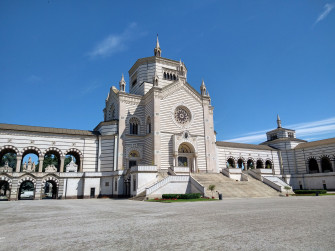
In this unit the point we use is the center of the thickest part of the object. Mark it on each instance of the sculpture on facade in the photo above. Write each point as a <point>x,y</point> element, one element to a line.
<point>51,169</point>
<point>6,168</point>
<point>30,167</point>
<point>71,167</point>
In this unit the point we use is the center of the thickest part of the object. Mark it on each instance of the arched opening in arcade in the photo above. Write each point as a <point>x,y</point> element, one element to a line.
<point>268,164</point>
<point>4,190</point>
<point>8,159</point>
<point>313,166</point>
<point>230,163</point>
<point>186,156</point>
<point>27,190</point>
<point>72,162</point>
<point>326,165</point>
<point>50,190</point>
<point>259,164</point>
<point>51,161</point>
<point>250,164</point>
<point>240,164</point>
<point>30,161</point>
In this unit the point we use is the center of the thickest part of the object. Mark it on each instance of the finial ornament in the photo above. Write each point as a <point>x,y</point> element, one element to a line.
<point>122,84</point>
<point>203,88</point>
<point>278,121</point>
<point>157,50</point>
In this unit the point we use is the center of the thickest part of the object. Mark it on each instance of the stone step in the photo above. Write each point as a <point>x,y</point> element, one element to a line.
<point>232,188</point>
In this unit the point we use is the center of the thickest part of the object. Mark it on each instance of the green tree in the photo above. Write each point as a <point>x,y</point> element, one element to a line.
<point>50,159</point>
<point>10,158</point>
<point>211,188</point>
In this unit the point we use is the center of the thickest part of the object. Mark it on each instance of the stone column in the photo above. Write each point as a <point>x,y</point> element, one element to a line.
<point>18,163</point>
<point>62,158</point>
<point>81,165</point>
<point>194,166</point>
<point>319,164</point>
<point>40,166</point>
<point>333,166</point>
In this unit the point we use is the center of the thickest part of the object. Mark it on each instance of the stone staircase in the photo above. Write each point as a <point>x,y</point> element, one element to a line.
<point>234,189</point>
<point>139,197</point>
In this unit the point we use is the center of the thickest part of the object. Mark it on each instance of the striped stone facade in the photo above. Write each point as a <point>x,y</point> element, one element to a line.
<point>161,125</point>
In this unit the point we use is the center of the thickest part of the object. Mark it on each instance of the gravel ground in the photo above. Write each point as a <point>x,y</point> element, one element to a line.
<point>294,223</point>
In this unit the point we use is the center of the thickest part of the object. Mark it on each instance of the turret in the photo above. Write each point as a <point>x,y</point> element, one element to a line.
<point>122,84</point>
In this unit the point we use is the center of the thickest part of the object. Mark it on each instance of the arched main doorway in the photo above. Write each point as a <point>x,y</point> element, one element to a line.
<point>50,190</point>
<point>27,190</point>
<point>186,157</point>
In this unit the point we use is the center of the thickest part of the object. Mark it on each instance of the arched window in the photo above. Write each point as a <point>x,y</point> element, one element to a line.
<point>259,164</point>
<point>231,163</point>
<point>148,125</point>
<point>326,165</point>
<point>313,166</point>
<point>250,164</point>
<point>268,164</point>
<point>164,75</point>
<point>134,126</point>
<point>174,77</point>
<point>240,164</point>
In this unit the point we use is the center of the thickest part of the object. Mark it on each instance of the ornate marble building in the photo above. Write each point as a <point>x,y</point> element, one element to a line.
<point>156,139</point>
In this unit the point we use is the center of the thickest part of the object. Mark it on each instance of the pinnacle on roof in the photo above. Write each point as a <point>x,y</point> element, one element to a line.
<point>157,43</point>
<point>278,121</point>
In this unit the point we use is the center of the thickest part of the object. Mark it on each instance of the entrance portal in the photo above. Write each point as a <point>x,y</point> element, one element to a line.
<point>27,190</point>
<point>50,190</point>
<point>186,157</point>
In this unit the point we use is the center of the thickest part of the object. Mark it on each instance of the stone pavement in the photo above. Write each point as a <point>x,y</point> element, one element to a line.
<point>294,223</point>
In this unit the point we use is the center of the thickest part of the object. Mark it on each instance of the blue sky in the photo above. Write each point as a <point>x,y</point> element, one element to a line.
<point>257,58</point>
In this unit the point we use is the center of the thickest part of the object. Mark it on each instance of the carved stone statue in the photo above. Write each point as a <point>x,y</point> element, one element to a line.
<point>30,167</point>
<point>6,168</point>
<point>71,167</point>
<point>51,169</point>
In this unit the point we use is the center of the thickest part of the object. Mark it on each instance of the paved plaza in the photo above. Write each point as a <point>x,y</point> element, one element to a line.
<point>294,223</point>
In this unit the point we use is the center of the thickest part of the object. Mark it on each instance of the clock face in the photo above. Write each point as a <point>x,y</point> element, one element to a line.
<point>182,115</point>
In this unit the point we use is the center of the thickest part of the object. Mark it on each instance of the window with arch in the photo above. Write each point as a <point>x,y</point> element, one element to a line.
<point>259,164</point>
<point>313,166</point>
<point>231,163</point>
<point>134,126</point>
<point>326,165</point>
<point>148,125</point>
<point>268,164</point>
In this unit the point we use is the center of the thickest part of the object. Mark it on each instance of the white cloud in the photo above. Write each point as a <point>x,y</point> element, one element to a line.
<point>114,42</point>
<point>327,9</point>
<point>307,131</point>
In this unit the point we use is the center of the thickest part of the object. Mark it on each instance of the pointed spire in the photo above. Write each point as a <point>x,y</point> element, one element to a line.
<point>122,84</point>
<point>157,50</point>
<point>157,42</point>
<point>278,121</point>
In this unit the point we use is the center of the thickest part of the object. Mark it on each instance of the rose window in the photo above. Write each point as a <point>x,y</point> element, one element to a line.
<point>182,115</point>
